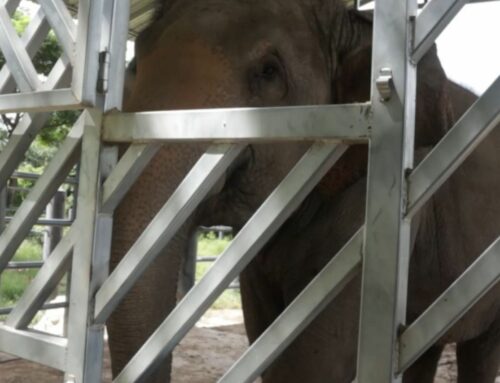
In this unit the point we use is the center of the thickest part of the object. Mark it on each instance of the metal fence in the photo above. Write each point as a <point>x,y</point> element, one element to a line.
<point>94,47</point>
<point>54,221</point>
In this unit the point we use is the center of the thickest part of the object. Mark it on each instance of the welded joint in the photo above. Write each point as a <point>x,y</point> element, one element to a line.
<point>385,84</point>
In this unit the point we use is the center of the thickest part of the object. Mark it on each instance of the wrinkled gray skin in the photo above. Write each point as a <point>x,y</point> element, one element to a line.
<point>228,53</point>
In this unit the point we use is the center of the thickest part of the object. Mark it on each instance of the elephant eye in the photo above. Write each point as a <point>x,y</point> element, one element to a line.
<point>267,80</point>
<point>269,71</point>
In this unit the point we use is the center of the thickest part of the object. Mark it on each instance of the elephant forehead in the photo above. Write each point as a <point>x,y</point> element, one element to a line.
<point>183,74</point>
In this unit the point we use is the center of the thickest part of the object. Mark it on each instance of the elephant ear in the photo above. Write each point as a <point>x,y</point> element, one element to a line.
<point>351,76</point>
<point>346,36</point>
<point>352,79</point>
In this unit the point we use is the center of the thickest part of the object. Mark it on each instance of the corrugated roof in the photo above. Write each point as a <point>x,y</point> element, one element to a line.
<point>141,12</point>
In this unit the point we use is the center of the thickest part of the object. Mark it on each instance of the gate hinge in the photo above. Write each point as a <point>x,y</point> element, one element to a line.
<point>103,75</point>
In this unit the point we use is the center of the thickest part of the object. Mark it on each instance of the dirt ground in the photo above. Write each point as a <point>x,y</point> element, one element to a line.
<point>202,357</point>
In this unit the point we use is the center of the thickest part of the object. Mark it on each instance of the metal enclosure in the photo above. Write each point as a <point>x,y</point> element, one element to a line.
<point>94,50</point>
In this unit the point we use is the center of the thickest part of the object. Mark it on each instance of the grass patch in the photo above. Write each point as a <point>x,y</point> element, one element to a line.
<point>14,282</point>
<point>211,246</point>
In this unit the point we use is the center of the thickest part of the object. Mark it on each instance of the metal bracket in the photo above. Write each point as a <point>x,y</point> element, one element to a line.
<point>385,84</point>
<point>103,76</point>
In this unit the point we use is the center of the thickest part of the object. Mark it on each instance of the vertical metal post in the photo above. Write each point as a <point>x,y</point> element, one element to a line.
<point>3,207</point>
<point>53,234</point>
<point>88,41</point>
<point>117,47</point>
<point>385,267</point>
<point>84,345</point>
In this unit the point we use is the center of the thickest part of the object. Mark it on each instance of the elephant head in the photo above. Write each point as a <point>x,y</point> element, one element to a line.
<point>222,53</point>
<point>225,53</point>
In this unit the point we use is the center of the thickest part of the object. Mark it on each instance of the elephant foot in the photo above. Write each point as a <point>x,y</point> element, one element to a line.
<point>478,359</point>
<point>424,369</point>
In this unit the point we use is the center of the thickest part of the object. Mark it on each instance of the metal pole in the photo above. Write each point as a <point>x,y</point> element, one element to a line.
<point>3,208</point>
<point>385,266</point>
<point>84,345</point>
<point>53,234</point>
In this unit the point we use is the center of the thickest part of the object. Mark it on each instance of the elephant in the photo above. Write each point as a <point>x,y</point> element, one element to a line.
<point>239,53</point>
<point>459,222</point>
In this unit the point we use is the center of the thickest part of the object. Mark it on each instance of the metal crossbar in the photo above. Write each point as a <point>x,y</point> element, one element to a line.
<point>352,124</point>
<point>454,148</point>
<point>476,281</point>
<point>190,193</point>
<point>381,248</point>
<point>40,195</point>
<point>17,59</point>
<point>321,290</point>
<point>252,237</point>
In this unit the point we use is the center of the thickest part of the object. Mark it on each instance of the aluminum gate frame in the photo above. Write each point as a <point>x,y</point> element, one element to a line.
<point>380,248</point>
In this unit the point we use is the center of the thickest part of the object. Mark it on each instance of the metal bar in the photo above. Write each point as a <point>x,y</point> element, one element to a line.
<point>206,259</point>
<point>42,101</point>
<point>40,348</point>
<point>16,57</point>
<point>95,337</point>
<point>349,123</point>
<point>88,41</point>
<point>47,306</point>
<point>387,234</point>
<point>454,148</point>
<point>299,314</point>
<point>126,172</point>
<point>433,19</point>
<point>32,39</point>
<point>13,153</point>
<point>33,176</point>
<point>79,332</point>
<point>192,190</point>
<point>3,207</point>
<point>63,25</point>
<point>59,76</point>
<point>20,140</point>
<point>117,50</point>
<point>476,281</point>
<point>258,230</point>
<point>47,222</point>
<point>27,214</point>
<point>43,284</point>
<point>24,265</point>
<point>100,270</point>
<point>10,5</point>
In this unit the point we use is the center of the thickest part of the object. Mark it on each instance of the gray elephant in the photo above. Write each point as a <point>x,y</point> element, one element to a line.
<point>236,53</point>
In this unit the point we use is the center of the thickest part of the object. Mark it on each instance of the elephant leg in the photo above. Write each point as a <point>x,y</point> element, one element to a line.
<point>424,369</point>
<point>188,270</point>
<point>143,310</point>
<point>262,302</point>
<point>478,359</point>
<point>154,295</point>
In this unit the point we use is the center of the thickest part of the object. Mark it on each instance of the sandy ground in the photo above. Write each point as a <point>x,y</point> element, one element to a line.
<point>202,357</point>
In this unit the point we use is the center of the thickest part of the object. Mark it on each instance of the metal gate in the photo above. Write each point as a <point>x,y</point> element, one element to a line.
<point>94,50</point>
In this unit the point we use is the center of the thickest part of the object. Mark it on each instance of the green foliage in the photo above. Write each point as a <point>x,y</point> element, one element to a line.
<point>210,245</point>
<point>58,127</point>
<point>14,282</point>
<point>60,122</point>
<point>48,53</point>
